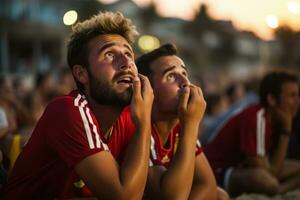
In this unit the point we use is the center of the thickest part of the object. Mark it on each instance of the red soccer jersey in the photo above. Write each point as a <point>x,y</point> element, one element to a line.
<point>244,135</point>
<point>66,133</point>
<point>159,155</point>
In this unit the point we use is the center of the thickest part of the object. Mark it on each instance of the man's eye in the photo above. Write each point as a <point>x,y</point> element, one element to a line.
<point>109,55</point>
<point>129,54</point>
<point>171,77</point>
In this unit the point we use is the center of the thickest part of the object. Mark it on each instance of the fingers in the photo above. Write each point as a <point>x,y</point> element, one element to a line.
<point>196,96</point>
<point>200,92</point>
<point>184,97</point>
<point>136,85</point>
<point>145,86</point>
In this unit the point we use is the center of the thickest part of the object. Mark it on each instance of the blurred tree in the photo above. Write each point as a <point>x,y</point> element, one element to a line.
<point>289,41</point>
<point>213,39</point>
<point>148,17</point>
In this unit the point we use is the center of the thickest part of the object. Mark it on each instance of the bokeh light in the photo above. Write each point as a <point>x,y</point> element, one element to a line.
<point>293,7</point>
<point>272,21</point>
<point>148,43</point>
<point>70,17</point>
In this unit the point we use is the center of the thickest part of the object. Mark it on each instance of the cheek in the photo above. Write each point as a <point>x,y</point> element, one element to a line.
<point>166,95</point>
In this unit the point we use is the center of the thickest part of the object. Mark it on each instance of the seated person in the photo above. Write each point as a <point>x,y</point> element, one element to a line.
<point>178,167</point>
<point>248,154</point>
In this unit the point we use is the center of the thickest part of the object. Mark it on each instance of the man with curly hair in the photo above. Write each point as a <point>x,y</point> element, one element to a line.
<point>85,133</point>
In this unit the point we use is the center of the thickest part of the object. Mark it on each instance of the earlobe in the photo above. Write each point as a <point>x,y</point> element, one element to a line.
<point>80,74</point>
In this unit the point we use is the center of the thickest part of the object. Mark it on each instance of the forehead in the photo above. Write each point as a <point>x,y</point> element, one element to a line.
<point>102,40</point>
<point>160,64</point>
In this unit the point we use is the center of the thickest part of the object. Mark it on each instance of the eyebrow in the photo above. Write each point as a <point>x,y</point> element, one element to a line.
<point>112,44</point>
<point>172,67</point>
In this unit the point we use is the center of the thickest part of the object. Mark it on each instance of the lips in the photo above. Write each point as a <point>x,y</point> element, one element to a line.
<point>127,79</point>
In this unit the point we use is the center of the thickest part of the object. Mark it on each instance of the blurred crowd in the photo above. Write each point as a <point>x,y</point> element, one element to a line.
<point>21,105</point>
<point>224,103</point>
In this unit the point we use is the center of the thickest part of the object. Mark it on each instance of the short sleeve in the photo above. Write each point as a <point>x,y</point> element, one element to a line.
<point>72,131</point>
<point>253,133</point>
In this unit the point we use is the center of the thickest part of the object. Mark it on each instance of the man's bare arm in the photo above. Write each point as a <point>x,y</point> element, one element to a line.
<point>176,181</point>
<point>204,183</point>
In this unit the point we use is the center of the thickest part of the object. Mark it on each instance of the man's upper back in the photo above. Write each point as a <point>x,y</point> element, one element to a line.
<point>245,134</point>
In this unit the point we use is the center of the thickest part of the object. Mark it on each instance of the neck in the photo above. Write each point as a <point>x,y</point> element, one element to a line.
<point>106,115</point>
<point>164,124</point>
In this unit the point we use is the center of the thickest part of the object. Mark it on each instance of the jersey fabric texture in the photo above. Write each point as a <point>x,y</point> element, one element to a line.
<point>160,155</point>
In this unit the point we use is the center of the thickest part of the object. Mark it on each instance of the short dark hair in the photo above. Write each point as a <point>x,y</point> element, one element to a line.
<point>272,84</point>
<point>100,24</point>
<point>144,61</point>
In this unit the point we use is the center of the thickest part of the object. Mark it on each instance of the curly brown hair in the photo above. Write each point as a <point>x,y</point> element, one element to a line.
<point>100,24</point>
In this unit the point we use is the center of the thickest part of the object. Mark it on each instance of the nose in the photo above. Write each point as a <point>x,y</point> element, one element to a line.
<point>184,81</point>
<point>125,63</point>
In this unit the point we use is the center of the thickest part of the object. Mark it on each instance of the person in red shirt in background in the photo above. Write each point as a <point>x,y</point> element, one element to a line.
<point>248,153</point>
<point>178,167</point>
<point>71,134</point>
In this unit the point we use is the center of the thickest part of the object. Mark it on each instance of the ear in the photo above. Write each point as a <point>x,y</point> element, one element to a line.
<point>80,74</point>
<point>271,100</point>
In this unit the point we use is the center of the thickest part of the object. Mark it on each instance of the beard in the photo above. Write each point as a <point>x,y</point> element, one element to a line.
<point>103,93</point>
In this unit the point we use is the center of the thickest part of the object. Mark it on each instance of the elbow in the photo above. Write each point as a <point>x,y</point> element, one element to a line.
<point>208,190</point>
<point>211,191</point>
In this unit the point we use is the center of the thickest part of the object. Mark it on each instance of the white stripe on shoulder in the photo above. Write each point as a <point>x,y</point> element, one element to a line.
<point>83,103</point>
<point>154,156</point>
<point>84,119</point>
<point>76,101</point>
<point>260,132</point>
<point>98,142</point>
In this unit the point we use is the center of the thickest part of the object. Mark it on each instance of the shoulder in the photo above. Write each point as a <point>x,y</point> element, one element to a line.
<point>253,112</point>
<point>74,99</point>
<point>66,106</point>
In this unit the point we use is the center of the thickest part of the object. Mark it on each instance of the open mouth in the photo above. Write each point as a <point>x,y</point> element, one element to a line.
<point>125,80</point>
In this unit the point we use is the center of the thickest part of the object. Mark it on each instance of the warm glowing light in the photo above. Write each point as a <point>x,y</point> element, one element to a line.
<point>70,17</point>
<point>293,7</point>
<point>107,1</point>
<point>148,43</point>
<point>272,21</point>
<point>239,12</point>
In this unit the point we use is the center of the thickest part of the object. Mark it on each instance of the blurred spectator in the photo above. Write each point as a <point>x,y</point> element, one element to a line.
<point>220,109</point>
<point>7,102</point>
<point>45,90</point>
<point>235,92</point>
<point>13,118</point>
<point>216,106</point>
<point>66,82</point>
<point>248,153</point>
<point>22,88</point>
